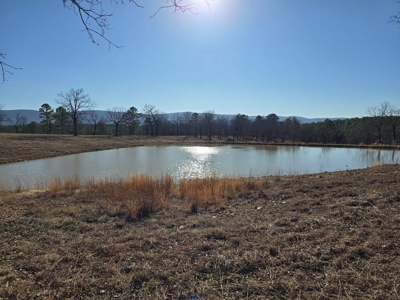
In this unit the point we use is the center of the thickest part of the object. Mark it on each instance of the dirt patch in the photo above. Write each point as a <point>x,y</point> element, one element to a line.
<point>324,236</point>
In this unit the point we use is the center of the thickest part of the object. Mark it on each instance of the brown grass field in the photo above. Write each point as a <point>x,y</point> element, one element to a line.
<point>322,236</point>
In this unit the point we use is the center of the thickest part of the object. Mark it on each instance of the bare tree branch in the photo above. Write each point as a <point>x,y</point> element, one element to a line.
<point>175,4</point>
<point>395,18</point>
<point>95,21</point>
<point>91,12</point>
<point>4,68</point>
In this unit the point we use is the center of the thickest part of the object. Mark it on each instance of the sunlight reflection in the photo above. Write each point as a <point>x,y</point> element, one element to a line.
<point>201,153</point>
<point>199,163</point>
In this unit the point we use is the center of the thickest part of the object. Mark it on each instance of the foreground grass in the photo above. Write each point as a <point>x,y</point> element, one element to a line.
<point>324,236</point>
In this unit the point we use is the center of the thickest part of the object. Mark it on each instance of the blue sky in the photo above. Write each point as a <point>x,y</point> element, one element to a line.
<point>310,58</point>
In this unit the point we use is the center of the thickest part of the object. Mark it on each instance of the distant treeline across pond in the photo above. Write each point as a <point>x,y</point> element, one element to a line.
<point>380,127</point>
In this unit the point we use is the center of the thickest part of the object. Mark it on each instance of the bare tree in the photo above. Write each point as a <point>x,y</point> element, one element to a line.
<point>378,119</point>
<point>395,18</point>
<point>208,120</point>
<point>102,126</point>
<point>17,121</point>
<point>187,120</point>
<point>5,67</point>
<point>162,124</point>
<point>116,115</point>
<point>23,121</point>
<point>176,121</point>
<point>393,119</point>
<point>151,116</point>
<point>195,120</point>
<point>93,118</point>
<point>95,19</point>
<point>77,105</point>
<point>3,115</point>
<point>222,122</point>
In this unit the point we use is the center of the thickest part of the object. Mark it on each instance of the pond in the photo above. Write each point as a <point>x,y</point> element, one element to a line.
<point>193,161</point>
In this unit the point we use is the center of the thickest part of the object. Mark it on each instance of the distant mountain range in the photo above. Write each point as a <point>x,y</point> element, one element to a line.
<point>33,115</point>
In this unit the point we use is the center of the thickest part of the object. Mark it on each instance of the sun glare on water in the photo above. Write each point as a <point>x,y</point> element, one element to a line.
<point>201,153</point>
<point>199,162</point>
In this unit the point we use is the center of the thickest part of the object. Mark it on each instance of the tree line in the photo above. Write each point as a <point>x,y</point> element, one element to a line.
<point>75,114</point>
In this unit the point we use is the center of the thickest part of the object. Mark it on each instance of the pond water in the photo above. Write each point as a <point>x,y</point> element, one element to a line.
<point>193,161</point>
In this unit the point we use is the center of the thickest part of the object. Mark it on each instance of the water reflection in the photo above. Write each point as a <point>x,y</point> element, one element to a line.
<point>196,161</point>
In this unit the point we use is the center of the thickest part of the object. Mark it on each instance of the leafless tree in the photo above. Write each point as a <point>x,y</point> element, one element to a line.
<point>162,124</point>
<point>102,126</point>
<point>5,67</point>
<point>395,18</point>
<point>77,105</point>
<point>151,117</point>
<point>393,119</point>
<point>3,115</point>
<point>116,115</point>
<point>17,121</point>
<point>208,121</point>
<point>195,120</point>
<point>222,124</point>
<point>187,120</point>
<point>378,118</point>
<point>176,121</point>
<point>95,19</point>
<point>93,118</point>
<point>23,121</point>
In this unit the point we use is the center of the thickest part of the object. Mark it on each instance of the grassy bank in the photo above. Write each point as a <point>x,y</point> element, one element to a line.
<point>323,236</point>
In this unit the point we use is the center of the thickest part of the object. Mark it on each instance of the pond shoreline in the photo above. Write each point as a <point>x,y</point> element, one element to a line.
<point>23,147</point>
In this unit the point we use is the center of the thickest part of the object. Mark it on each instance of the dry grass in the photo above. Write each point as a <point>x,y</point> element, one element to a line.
<point>324,236</point>
<point>142,194</point>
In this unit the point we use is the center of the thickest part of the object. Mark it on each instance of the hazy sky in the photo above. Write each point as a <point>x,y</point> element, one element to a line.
<point>310,58</point>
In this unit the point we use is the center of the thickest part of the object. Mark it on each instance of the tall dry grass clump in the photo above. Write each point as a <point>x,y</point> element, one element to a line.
<point>55,187</point>
<point>139,194</point>
<point>142,194</point>
<point>66,186</point>
<point>213,191</point>
<point>70,185</point>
